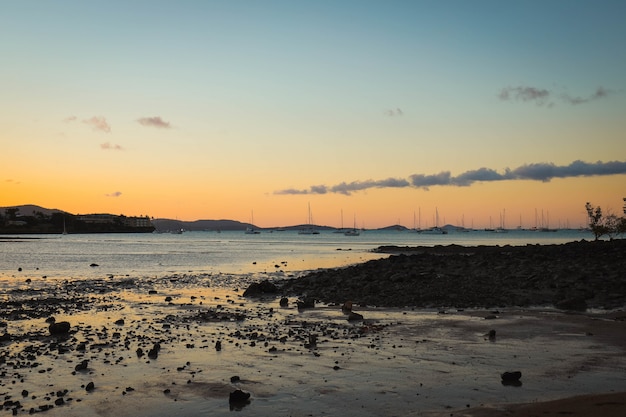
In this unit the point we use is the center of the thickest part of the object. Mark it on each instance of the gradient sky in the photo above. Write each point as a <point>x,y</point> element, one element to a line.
<point>382,110</point>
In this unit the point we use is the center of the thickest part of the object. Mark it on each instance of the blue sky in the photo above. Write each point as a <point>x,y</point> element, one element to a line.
<point>247,99</point>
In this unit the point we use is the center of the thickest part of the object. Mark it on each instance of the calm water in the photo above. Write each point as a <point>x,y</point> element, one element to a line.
<point>157,255</point>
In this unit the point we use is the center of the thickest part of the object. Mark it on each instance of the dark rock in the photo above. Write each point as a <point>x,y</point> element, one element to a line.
<point>511,379</point>
<point>93,265</point>
<point>284,302</point>
<point>119,322</point>
<point>238,397</point>
<point>218,345</point>
<point>306,302</point>
<point>234,379</point>
<point>354,316</point>
<point>168,299</point>
<point>82,366</point>
<point>61,327</point>
<point>257,289</point>
<point>90,387</point>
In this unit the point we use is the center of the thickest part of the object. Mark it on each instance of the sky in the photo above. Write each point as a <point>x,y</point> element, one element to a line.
<point>372,112</point>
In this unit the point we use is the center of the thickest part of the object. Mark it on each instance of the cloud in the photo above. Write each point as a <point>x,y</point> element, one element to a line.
<point>597,95</point>
<point>99,124</point>
<point>154,122</point>
<point>543,171</point>
<point>538,95</point>
<point>541,96</point>
<point>114,194</point>
<point>110,147</point>
<point>394,112</point>
<point>70,119</point>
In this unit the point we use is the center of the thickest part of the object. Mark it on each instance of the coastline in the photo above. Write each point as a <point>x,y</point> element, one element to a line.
<point>402,361</point>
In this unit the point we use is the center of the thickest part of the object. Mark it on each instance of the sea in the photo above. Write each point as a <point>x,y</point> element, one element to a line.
<point>276,253</point>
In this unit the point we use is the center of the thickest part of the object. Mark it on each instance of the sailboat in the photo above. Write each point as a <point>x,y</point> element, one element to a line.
<point>251,230</point>
<point>435,230</point>
<point>353,231</point>
<point>309,230</point>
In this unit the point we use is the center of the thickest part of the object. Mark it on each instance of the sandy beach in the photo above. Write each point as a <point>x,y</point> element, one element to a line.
<point>182,344</point>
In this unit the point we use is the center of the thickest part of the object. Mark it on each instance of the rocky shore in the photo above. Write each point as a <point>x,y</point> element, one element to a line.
<point>572,276</point>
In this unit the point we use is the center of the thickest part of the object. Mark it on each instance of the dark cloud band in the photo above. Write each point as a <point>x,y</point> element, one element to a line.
<point>537,172</point>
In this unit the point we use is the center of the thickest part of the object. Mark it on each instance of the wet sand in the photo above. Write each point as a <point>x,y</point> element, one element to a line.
<point>395,362</point>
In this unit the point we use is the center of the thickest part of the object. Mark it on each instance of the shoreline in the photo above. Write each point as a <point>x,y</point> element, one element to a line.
<point>407,361</point>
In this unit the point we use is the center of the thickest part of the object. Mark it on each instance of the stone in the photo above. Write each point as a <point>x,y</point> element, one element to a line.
<point>61,327</point>
<point>257,289</point>
<point>238,397</point>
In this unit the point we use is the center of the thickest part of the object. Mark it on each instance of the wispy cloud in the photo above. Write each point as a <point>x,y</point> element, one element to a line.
<point>114,194</point>
<point>544,171</point>
<point>394,112</point>
<point>107,146</point>
<point>70,119</point>
<point>154,122</point>
<point>98,123</point>
<point>544,97</point>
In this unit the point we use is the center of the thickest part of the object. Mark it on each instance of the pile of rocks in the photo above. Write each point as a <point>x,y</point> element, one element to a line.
<point>572,276</point>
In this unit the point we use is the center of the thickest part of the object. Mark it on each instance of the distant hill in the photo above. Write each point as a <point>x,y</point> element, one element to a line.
<point>169,225</point>
<point>31,209</point>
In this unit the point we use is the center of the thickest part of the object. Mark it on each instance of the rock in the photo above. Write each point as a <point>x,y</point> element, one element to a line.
<point>257,289</point>
<point>306,302</point>
<point>491,335</point>
<point>93,265</point>
<point>90,387</point>
<point>238,397</point>
<point>511,378</point>
<point>82,366</point>
<point>234,379</point>
<point>61,327</point>
<point>218,345</point>
<point>168,299</point>
<point>346,307</point>
<point>154,352</point>
<point>354,316</point>
<point>284,302</point>
<point>119,322</point>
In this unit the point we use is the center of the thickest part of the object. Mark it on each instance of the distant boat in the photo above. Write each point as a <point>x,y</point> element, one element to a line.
<point>353,231</point>
<point>436,230</point>
<point>251,230</point>
<point>309,230</point>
